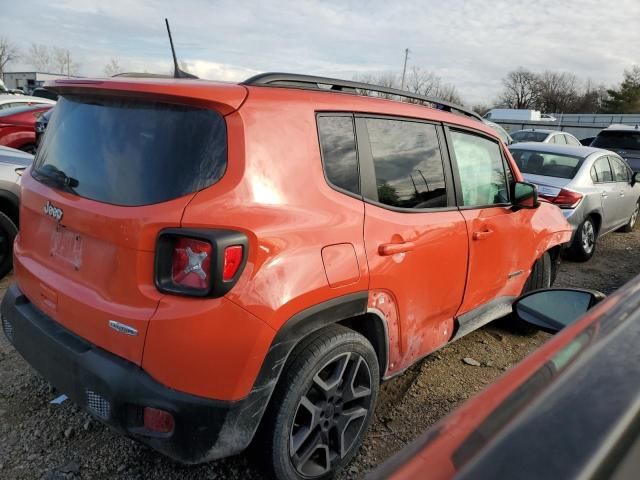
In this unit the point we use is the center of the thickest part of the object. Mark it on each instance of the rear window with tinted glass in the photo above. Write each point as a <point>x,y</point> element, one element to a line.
<point>130,152</point>
<point>546,164</point>
<point>623,139</point>
<point>528,136</point>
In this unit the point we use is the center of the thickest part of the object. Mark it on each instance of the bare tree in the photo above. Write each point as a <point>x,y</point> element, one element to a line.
<point>449,93</point>
<point>39,57</point>
<point>422,82</point>
<point>592,99</point>
<point>557,92</point>
<point>429,84</point>
<point>419,81</point>
<point>481,108</point>
<point>520,89</point>
<point>385,79</point>
<point>63,62</point>
<point>8,53</point>
<point>112,68</point>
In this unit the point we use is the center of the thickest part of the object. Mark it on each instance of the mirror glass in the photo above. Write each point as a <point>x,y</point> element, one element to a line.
<point>553,309</point>
<point>525,195</point>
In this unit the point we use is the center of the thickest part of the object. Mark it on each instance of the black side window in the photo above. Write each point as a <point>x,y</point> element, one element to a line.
<point>338,146</point>
<point>603,170</point>
<point>408,163</point>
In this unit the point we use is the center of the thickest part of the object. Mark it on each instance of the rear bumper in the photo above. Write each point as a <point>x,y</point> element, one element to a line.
<point>116,391</point>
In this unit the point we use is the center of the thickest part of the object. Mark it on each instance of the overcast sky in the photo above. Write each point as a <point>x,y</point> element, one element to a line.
<point>471,44</point>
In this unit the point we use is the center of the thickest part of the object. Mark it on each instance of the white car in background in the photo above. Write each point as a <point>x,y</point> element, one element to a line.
<point>10,101</point>
<point>541,135</point>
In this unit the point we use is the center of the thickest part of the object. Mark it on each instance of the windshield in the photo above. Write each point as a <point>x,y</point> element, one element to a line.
<point>529,136</point>
<point>626,140</point>
<point>129,152</point>
<point>546,164</point>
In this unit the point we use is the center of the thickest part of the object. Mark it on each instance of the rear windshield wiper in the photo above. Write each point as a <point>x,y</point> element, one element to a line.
<point>56,178</point>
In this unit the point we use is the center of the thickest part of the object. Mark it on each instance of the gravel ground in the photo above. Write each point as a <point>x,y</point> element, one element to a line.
<point>41,440</point>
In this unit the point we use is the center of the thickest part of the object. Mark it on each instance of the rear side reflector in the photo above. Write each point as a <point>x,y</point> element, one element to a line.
<point>564,199</point>
<point>157,420</point>
<point>232,262</point>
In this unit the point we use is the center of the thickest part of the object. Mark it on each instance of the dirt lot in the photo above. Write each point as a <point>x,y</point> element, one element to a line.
<point>41,440</point>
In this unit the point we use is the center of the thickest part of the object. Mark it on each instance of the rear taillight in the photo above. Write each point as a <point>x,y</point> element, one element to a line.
<point>564,199</point>
<point>191,263</point>
<point>202,263</point>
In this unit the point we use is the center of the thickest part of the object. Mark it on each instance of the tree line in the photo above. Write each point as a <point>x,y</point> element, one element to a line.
<point>549,91</point>
<point>563,92</point>
<point>47,59</point>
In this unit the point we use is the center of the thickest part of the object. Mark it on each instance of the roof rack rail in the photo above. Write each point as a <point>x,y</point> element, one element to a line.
<point>142,75</point>
<point>310,82</point>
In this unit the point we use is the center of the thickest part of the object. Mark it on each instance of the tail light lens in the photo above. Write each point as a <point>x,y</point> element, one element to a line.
<point>201,263</point>
<point>565,198</point>
<point>191,263</point>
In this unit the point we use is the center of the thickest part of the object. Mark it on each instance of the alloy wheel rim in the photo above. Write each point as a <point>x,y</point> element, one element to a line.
<point>588,237</point>
<point>330,415</point>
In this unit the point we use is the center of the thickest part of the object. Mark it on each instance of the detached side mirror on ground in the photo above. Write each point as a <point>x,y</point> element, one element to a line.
<point>525,195</point>
<point>553,309</point>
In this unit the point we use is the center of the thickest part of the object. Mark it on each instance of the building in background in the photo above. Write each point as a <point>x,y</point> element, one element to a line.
<point>27,81</point>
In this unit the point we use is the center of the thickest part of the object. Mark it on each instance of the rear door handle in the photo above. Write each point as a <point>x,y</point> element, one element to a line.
<point>482,235</point>
<point>393,248</point>
<point>604,194</point>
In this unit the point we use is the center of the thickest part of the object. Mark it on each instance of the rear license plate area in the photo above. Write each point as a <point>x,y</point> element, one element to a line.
<point>66,247</point>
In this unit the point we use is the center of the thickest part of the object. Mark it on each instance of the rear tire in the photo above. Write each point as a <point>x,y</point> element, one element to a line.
<point>584,243</point>
<point>541,277</point>
<point>631,224</point>
<point>8,232</point>
<point>322,405</point>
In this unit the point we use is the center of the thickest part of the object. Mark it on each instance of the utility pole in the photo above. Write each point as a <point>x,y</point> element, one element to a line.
<point>404,70</point>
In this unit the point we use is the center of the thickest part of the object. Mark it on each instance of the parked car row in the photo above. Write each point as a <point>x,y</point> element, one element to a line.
<point>18,117</point>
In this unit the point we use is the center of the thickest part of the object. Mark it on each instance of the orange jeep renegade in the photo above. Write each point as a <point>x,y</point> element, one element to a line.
<point>203,263</point>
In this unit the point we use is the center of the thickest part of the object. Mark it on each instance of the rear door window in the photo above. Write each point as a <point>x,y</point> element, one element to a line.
<point>130,152</point>
<point>408,163</point>
<point>571,141</point>
<point>338,147</point>
<point>602,170</point>
<point>620,171</point>
<point>482,175</point>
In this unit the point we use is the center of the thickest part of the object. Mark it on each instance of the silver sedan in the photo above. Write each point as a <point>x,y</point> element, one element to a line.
<point>545,136</point>
<point>596,190</point>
